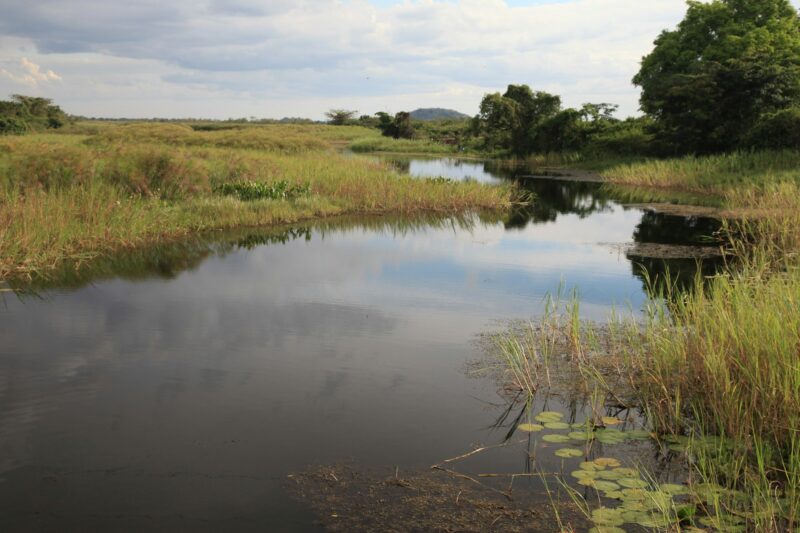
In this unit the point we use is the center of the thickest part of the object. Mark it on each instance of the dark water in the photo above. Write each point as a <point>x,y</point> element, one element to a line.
<point>175,388</point>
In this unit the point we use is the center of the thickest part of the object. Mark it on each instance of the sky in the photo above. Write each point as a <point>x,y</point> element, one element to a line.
<point>278,58</point>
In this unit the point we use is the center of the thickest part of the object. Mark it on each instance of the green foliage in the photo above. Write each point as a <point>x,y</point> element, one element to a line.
<point>12,126</point>
<point>777,130</point>
<point>255,190</point>
<point>29,113</point>
<point>509,121</point>
<point>398,128</point>
<point>729,61</point>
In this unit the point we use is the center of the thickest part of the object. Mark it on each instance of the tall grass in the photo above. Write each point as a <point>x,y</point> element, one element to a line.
<point>716,173</point>
<point>64,199</point>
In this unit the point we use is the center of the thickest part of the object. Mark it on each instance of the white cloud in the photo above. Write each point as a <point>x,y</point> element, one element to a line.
<point>29,73</point>
<point>250,57</point>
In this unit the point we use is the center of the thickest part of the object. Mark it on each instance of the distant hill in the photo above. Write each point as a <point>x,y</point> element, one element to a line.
<point>437,113</point>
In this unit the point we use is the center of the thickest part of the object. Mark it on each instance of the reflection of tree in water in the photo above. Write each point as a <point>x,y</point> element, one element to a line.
<point>660,228</point>
<point>558,197</point>
<point>671,229</point>
<point>681,273</point>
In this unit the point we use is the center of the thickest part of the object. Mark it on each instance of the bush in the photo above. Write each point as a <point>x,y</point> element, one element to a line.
<point>12,126</point>
<point>776,130</point>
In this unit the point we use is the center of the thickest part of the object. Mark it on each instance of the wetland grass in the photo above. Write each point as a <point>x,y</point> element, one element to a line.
<point>715,372</point>
<point>66,197</point>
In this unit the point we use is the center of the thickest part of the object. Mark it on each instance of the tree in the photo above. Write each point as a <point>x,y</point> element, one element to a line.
<point>25,113</point>
<point>728,62</point>
<point>399,127</point>
<point>339,117</point>
<point>508,121</point>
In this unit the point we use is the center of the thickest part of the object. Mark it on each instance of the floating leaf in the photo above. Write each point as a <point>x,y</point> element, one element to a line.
<point>606,461</point>
<point>635,494</point>
<point>584,474</point>
<point>605,516</point>
<point>638,434</point>
<point>673,489</point>
<point>530,428</point>
<point>560,439</point>
<point>549,416</point>
<point>615,494</point>
<point>611,421</point>
<point>580,435</point>
<point>605,486</point>
<point>569,452</point>
<point>556,425</point>
<point>632,483</point>
<point>626,472</point>
<point>591,465</point>
<point>606,529</point>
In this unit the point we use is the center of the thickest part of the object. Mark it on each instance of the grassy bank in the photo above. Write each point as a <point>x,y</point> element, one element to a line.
<point>713,370</point>
<point>719,174</point>
<point>72,197</point>
<point>400,146</point>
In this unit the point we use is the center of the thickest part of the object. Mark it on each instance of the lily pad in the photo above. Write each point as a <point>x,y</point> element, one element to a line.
<point>674,489</point>
<point>615,494</point>
<point>530,428</point>
<point>556,425</point>
<point>560,439</point>
<point>611,421</point>
<point>607,461</point>
<point>632,483</point>
<point>638,434</point>
<point>580,435</point>
<point>606,529</point>
<point>591,465</point>
<point>605,516</point>
<point>624,471</point>
<point>549,416</point>
<point>569,452</point>
<point>584,474</point>
<point>605,486</point>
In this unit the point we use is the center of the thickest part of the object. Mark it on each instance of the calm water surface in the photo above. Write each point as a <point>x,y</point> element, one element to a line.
<point>175,388</point>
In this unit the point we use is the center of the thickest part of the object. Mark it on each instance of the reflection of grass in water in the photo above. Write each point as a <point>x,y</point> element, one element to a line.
<point>168,259</point>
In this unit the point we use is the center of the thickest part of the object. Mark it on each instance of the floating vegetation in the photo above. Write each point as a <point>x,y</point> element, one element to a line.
<point>549,417</point>
<point>556,425</point>
<point>530,428</point>
<point>569,452</point>
<point>555,438</point>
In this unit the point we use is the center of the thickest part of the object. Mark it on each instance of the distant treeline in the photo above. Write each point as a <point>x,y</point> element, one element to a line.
<point>22,114</point>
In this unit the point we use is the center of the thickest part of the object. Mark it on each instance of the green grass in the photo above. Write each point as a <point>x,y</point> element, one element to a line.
<point>715,369</point>
<point>71,197</point>
<point>717,174</point>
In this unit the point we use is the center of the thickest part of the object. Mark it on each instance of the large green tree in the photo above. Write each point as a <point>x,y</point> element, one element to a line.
<point>509,121</point>
<point>728,62</point>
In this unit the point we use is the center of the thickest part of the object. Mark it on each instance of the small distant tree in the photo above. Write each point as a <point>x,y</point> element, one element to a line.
<point>399,127</point>
<point>339,117</point>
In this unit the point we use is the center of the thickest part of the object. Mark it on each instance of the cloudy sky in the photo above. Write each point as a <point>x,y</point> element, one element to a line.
<point>276,58</point>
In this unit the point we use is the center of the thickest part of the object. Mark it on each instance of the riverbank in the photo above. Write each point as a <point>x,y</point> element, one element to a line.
<point>713,370</point>
<point>73,197</point>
